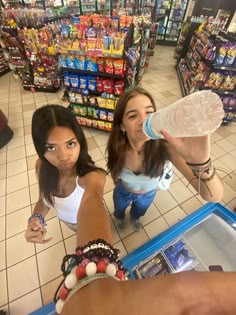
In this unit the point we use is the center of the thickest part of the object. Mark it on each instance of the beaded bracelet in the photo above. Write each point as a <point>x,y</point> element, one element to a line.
<point>96,260</point>
<point>39,216</point>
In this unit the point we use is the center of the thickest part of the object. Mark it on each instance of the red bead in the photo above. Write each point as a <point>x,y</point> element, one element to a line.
<point>101,266</point>
<point>63,293</point>
<point>80,272</point>
<point>120,274</point>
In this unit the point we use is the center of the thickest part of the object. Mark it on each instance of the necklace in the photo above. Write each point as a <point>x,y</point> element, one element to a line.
<point>138,151</point>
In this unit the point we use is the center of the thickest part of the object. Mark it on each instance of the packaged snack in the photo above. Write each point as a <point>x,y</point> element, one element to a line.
<point>221,55</point>
<point>107,126</point>
<point>118,67</point>
<point>108,86</point>
<point>101,125</point>
<point>83,82</point>
<point>78,98</point>
<point>214,80</point>
<point>103,114</point>
<point>96,113</point>
<point>101,102</point>
<point>82,110</point>
<point>91,32</point>
<point>110,116</point>
<point>118,87</point>
<point>109,66</point>
<point>231,55</point>
<point>70,62</point>
<point>74,79</point>
<point>91,64</point>
<point>110,104</point>
<point>99,84</point>
<point>90,112</point>
<point>85,98</point>
<point>62,62</point>
<point>66,79</point>
<point>95,123</point>
<point>173,250</point>
<point>100,63</point>
<point>92,101</point>
<point>229,82</point>
<point>92,85</point>
<point>80,63</point>
<point>72,98</point>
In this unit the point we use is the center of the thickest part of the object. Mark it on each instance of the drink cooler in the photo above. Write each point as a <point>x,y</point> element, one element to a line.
<point>209,235</point>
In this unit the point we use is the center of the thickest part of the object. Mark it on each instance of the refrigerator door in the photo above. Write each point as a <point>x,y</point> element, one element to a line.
<point>162,13</point>
<point>104,7</point>
<point>88,6</point>
<point>176,17</point>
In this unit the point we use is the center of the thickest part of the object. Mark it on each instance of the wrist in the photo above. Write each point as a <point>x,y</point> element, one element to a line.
<point>39,217</point>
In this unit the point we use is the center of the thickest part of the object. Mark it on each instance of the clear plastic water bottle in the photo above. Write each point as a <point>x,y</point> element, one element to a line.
<point>197,114</point>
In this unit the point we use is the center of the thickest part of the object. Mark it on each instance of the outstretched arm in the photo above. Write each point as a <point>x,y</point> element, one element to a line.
<point>195,150</point>
<point>92,217</point>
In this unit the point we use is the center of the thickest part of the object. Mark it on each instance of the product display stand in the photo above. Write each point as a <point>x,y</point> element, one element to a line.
<point>210,63</point>
<point>99,64</point>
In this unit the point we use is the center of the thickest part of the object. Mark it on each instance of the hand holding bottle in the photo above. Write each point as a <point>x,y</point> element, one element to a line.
<point>193,150</point>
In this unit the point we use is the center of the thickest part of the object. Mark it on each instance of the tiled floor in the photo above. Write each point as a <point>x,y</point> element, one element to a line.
<point>30,273</point>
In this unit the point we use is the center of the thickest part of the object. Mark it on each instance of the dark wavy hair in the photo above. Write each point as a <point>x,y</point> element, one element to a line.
<point>155,153</point>
<point>44,120</point>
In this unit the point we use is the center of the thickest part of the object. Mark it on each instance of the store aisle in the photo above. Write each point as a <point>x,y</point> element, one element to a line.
<point>30,273</point>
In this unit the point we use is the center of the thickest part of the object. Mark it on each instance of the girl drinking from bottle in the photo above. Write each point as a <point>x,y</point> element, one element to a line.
<point>140,166</point>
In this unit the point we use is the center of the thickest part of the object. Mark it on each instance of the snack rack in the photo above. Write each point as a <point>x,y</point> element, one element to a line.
<point>210,63</point>
<point>97,69</point>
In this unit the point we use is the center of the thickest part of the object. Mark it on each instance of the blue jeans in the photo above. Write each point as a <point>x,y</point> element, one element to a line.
<point>139,202</point>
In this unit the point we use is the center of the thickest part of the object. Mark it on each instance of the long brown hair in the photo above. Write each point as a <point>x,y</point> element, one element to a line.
<point>154,150</point>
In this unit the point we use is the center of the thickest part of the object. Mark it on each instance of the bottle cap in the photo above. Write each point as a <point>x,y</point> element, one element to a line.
<point>147,129</point>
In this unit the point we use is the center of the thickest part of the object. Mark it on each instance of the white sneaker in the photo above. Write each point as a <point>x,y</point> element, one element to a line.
<point>137,225</point>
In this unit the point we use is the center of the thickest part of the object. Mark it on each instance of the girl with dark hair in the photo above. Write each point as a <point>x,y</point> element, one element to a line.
<point>68,178</point>
<point>140,166</point>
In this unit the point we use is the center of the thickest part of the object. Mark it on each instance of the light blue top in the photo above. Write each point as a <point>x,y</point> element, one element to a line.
<point>142,182</point>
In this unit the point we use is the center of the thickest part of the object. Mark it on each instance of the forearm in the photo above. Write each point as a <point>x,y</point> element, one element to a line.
<point>211,190</point>
<point>189,293</point>
<point>93,212</point>
<point>41,208</point>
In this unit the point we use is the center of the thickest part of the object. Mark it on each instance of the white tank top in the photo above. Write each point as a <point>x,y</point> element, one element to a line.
<point>67,208</point>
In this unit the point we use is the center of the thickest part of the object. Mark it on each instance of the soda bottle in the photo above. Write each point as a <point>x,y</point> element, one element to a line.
<point>197,114</point>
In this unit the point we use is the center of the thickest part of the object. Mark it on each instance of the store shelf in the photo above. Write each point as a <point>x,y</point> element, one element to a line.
<point>4,72</point>
<point>91,117</point>
<point>91,106</point>
<point>98,74</point>
<point>40,89</point>
<point>183,89</point>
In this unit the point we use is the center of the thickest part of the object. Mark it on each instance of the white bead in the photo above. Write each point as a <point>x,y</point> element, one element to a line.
<point>86,249</point>
<point>59,306</point>
<point>111,270</point>
<point>101,245</point>
<point>94,246</point>
<point>91,268</point>
<point>70,281</point>
<point>73,270</point>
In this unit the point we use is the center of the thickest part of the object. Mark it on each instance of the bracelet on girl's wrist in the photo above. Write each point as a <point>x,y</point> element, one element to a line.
<point>39,216</point>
